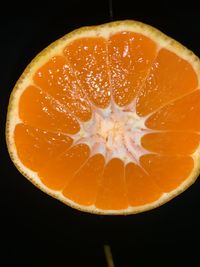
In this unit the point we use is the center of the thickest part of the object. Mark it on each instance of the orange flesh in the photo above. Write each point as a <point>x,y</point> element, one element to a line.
<point>36,147</point>
<point>58,172</point>
<point>141,188</point>
<point>170,77</point>
<point>84,187</point>
<point>57,79</point>
<point>167,171</point>
<point>171,143</point>
<point>130,57</point>
<point>90,72</point>
<point>182,114</point>
<point>88,58</point>
<point>112,191</point>
<point>41,111</point>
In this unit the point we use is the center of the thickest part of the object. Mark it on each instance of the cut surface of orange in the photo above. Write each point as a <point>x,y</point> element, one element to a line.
<point>107,119</point>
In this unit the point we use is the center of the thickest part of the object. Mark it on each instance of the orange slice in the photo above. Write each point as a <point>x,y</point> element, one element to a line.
<point>107,119</point>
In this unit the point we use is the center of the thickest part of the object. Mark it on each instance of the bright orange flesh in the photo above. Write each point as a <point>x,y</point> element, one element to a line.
<point>112,191</point>
<point>58,80</point>
<point>157,166</point>
<point>171,143</point>
<point>84,187</point>
<point>88,58</point>
<point>39,110</point>
<point>128,68</point>
<point>182,114</point>
<point>36,147</point>
<point>58,172</point>
<point>141,188</point>
<point>130,57</point>
<point>169,78</point>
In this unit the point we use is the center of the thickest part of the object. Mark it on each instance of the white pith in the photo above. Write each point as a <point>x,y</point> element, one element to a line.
<point>114,132</point>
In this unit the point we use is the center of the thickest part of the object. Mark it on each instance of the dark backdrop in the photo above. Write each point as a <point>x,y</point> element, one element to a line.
<point>38,230</point>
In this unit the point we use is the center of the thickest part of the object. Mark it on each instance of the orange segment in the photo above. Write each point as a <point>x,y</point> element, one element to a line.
<point>88,58</point>
<point>141,189</point>
<point>58,172</point>
<point>170,77</point>
<point>168,172</point>
<point>41,111</point>
<point>183,114</point>
<point>112,192</point>
<point>36,147</point>
<point>171,143</point>
<point>84,186</point>
<point>57,79</point>
<point>130,57</point>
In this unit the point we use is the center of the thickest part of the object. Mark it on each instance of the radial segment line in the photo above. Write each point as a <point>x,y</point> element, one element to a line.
<point>54,132</point>
<point>56,157</point>
<point>170,131</point>
<point>92,105</point>
<point>132,103</point>
<point>81,167</point>
<point>101,182</point>
<point>170,102</point>
<point>48,131</point>
<point>125,184</point>
<point>62,106</point>
<point>112,102</point>
<point>74,174</point>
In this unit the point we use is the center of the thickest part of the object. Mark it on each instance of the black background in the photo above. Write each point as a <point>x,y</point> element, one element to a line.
<point>38,230</point>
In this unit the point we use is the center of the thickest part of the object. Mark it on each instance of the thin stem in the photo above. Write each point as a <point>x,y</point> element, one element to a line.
<point>109,257</point>
<point>110,9</point>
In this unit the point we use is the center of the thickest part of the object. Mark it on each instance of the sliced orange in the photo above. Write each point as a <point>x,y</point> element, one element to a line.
<point>107,119</point>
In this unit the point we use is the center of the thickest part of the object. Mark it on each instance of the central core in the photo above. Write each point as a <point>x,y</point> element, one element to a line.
<point>115,133</point>
<point>110,129</point>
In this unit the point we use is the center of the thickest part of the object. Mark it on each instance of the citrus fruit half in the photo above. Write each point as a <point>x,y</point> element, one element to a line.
<point>107,119</point>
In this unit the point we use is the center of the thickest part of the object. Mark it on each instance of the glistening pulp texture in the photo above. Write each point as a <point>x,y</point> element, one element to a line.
<point>111,123</point>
